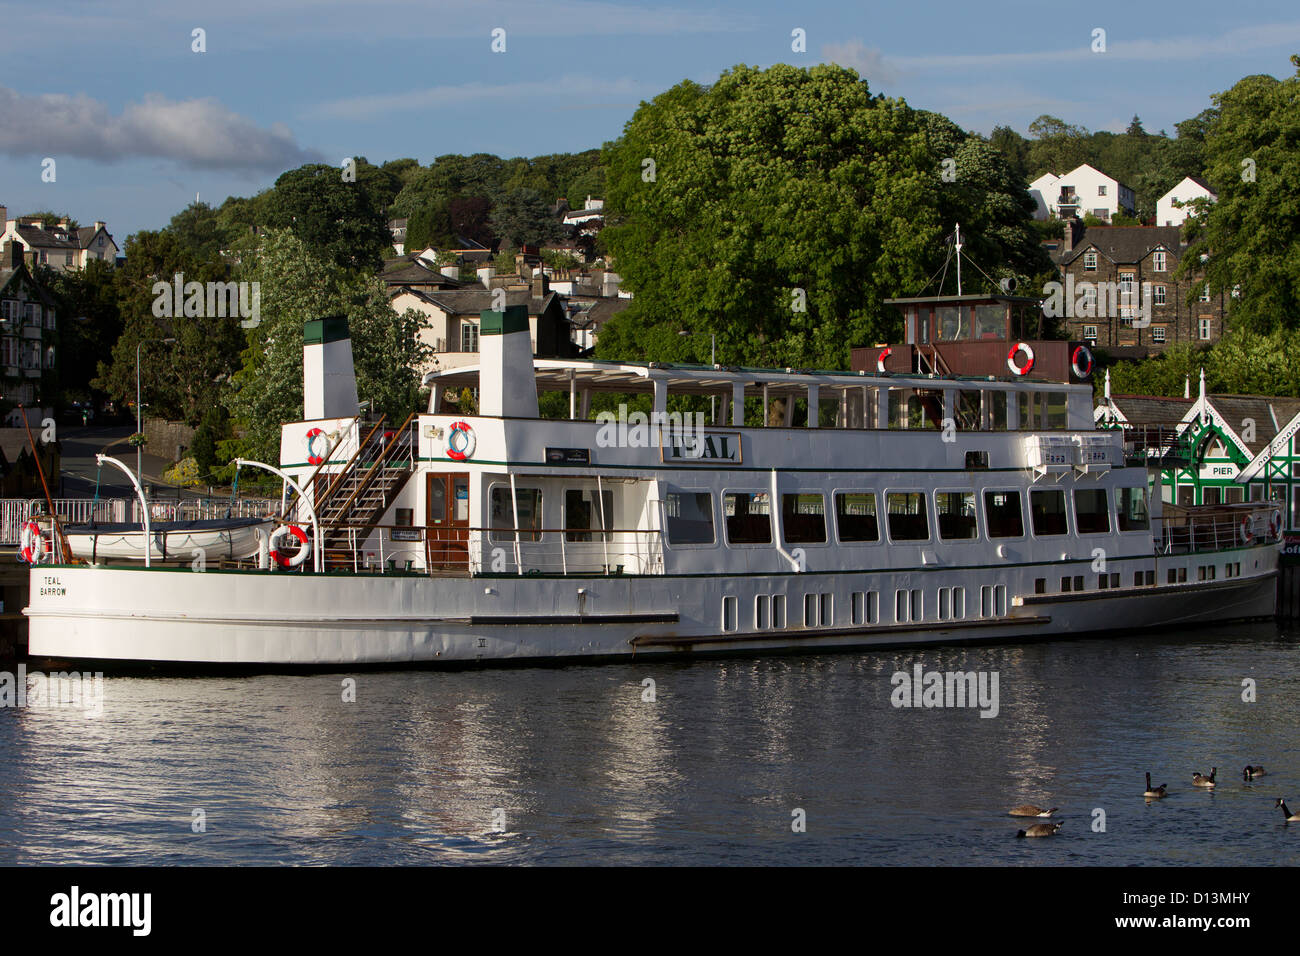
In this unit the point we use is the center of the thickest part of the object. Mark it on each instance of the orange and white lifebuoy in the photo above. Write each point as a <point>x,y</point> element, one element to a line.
<point>304,546</point>
<point>461,441</point>
<point>312,457</point>
<point>1029,359</point>
<point>1275,524</point>
<point>880,362</point>
<point>1247,536</point>
<point>1081,369</point>
<point>32,545</point>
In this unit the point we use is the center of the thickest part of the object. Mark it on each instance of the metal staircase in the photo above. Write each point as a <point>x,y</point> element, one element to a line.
<point>358,496</point>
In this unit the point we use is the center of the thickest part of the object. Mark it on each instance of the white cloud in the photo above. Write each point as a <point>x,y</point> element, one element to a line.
<point>199,133</point>
<point>868,61</point>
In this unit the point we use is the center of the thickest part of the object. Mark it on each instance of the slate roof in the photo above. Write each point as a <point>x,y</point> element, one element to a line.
<point>472,302</point>
<point>409,271</point>
<point>1127,245</point>
<point>1270,415</point>
<point>1151,409</point>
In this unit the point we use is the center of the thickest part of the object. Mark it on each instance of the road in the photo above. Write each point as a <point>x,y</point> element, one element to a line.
<point>79,447</point>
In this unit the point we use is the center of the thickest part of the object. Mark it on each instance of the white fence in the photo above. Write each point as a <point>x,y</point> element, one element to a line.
<point>15,512</point>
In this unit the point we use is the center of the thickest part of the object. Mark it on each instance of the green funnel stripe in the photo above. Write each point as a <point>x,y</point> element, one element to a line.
<point>333,328</point>
<point>513,319</point>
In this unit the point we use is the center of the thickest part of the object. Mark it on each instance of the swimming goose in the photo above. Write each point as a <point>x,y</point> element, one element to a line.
<point>1154,793</point>
<point>1200,780</point>
<point>1029,810</point>
<point>1250,773</point>
<point>1290,817</point>
<point>1040,830</point>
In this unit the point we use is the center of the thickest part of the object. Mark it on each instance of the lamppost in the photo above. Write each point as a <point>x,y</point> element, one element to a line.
<point>139,424</point>
<point>713,360</point>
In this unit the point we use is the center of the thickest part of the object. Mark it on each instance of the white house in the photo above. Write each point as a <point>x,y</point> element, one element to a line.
<point>1083,191</point>
<point>1170,209</point>
<point>58,246</point>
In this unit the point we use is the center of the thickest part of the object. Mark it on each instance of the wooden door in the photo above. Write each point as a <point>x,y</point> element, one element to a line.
<point>447,520</point>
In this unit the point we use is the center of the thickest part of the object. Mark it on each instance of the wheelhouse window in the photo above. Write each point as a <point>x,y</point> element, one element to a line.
<point>803,518</point>
<point>1002,514</point>
<point>951,323</point>
<point>956,514</point>
<point>689,517</point>
<point>907,516</point>
<point>528,505</point>
<point>749,517</point>
<point>1091,512</point>
<point>855,516</point>
<point>1132,509</point>
<point>1047,511</point>
<point>990,322</point>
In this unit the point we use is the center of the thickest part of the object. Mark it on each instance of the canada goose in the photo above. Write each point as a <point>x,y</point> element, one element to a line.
<point>1154,793</point>
<point>1290,817</point>
<point>1040,830</point>
<point>1200,780</point>
<point>1250,773</point>
<point>1029,810</point>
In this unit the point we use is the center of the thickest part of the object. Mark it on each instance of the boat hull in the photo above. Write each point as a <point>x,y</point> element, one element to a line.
<point>275,619</point>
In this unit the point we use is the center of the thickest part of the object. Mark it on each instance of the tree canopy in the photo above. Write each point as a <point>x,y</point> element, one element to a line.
<point>778,208</point>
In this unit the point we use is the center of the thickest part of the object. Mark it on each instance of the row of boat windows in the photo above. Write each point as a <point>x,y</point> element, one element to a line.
<point>769,611</point>
<point>864,608</point>
<point>747,515</point>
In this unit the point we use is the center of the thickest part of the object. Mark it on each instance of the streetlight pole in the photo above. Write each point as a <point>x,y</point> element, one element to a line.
<point>139,424</point>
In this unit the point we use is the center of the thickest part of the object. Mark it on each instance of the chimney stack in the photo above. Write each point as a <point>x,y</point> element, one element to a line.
<point>4,218</point>
<point>541,285</point>
<point>485,276</point>
<point>507,382</point>
<point>1070,237</point>
<point>329,384</point>
<point>99,224</point>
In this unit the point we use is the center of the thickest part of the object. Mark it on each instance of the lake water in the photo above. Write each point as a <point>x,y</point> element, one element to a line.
<point>572,765</point>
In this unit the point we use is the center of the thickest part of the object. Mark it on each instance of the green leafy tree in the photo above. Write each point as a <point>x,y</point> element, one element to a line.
<point>180,380</point>
<point>90,322</point>
<point>522,216</point>
<point>778,208</point>
<point>296,287</point>
<point>197,231</point>
<point>1249,240</point>
<point>340,221</point>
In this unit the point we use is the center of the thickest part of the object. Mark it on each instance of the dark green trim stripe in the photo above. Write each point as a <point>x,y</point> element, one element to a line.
<point>513,319</point>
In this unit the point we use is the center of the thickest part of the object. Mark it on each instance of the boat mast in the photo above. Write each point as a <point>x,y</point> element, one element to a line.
<point>958,234</point>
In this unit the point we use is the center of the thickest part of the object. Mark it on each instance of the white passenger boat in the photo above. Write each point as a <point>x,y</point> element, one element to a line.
<point>908,507</point>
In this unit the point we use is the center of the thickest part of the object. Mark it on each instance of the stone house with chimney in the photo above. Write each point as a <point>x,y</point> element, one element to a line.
<point>58,246</point>
<point>28,329</point>
<point>1126,258</point>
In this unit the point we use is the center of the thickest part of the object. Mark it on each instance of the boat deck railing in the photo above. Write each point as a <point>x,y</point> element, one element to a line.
<point>16,512</point>
<point>1185,530</point>
<point>490,551</point>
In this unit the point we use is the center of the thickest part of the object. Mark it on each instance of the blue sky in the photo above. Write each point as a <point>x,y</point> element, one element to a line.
<point>138,123</point>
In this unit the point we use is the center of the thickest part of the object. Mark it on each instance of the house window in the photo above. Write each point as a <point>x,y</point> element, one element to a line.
<point>9,352</point>
<point>100,241</point>
<point>1158,261</point>
<point>1101,190</point>
<point>1090,300</point>
<point>1158,333</point>
<point>1101,213</point>
<point>33,314</point>
<point>67,258</point>
<point>1159,294</point>
<point>1205,293</point>
<point>31,354</point>
<point>469,337</point>
<point>1090,261</point>
<point>1090,333</point>
<point>1205,329</point>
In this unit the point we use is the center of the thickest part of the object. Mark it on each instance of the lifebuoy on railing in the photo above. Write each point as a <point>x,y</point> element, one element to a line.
<point>460,441</point>
<point>880,361</point>
<point>1275,524</point>
<point>1029,359</point>
<point>313,457</point>
<point>1081,369</point>
<point>32,544</point>
<point>304,546</point>
<point>1247,536</point>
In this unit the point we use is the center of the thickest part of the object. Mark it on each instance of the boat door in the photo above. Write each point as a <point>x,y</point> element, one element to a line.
<point>447,520</point>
